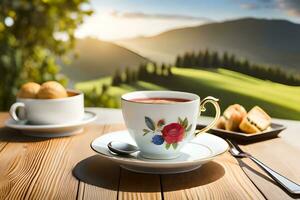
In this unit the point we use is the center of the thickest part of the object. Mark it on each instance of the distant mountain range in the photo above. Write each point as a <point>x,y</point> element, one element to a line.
<point>97,58</point>
<point>273,42</point>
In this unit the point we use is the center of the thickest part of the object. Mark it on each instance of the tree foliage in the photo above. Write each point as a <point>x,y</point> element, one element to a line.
<point>33,35</point>
<point>207,59</point>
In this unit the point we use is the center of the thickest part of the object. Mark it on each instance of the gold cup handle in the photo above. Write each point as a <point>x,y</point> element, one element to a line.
<point>214,102</point>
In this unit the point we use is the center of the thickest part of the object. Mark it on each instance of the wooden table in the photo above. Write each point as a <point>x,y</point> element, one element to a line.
<point>35,168</point>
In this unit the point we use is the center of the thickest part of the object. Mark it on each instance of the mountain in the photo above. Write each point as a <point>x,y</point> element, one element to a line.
<point>97,58</point>
<point>274,42</point>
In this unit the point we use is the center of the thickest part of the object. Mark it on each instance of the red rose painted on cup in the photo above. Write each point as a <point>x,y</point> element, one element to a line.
<point>169,134</point>
<point>173,133</point>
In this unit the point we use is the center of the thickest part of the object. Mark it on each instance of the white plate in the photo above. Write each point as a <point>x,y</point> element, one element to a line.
<point>59,130</point>
<point>200,150</point>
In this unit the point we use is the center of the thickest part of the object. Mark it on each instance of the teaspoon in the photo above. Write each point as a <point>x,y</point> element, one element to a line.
<point>122,148</point>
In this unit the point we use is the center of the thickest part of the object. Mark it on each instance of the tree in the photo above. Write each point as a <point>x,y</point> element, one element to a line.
<point>232,61</point>
<point>128,75</point>
<point>117,78</point>
<point>104,88</point>
<point>142,71</point>
<point>178,62</point>
<point>206,59</point>
<point>193,60</point>
<point>163,70</point>
<point>33,35</point>
<point>186,62</point>
<point>155,68</point>
<point>134,76</point>
<point>225,61</point>
<point>199,59</point>
<point>215,60</point>
<point>169,70</point>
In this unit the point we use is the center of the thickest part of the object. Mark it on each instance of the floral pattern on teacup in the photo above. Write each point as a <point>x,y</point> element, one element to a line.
<point>168,134</point>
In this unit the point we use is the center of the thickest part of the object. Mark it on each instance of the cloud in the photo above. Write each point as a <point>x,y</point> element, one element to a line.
<point>253,5</point>
<point>141,15</point>
<point>292,7</point>
<point>249,6</point>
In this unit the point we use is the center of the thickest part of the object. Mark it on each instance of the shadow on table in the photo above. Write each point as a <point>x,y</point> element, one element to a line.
<point>98,171</point>
<point>11,135</point>
<point>208,173</point>
<point>104,173</point>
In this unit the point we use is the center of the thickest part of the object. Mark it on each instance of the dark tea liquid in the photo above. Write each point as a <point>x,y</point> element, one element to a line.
<point>159,100</point>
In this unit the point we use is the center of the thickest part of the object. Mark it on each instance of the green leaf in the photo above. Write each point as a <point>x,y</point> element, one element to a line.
<point>180,121</point>
<point>150,124</point>
<point>168,146</point>
<point>146,131</point>
<point>185,123</point>
<point>174,145</point>
<point>189,128</point>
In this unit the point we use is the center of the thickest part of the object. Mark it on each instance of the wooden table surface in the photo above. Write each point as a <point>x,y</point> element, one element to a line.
<point>36,168</point>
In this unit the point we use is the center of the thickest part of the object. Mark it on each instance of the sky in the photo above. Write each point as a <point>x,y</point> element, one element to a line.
<point>120,19</point>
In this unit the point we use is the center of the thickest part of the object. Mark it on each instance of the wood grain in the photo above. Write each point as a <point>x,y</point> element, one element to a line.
<point>34,168</point>
<point>139,186</point>
<point>102,177</point>
<point>3,118</point>
<point>281,157</point>
<point>222,179</point>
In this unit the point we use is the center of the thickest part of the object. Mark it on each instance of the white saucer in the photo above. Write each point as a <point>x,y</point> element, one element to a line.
<point>59,130</point>
<point>200,150</point>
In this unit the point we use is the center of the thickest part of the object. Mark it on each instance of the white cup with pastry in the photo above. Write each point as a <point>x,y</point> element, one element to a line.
<point>47,104</point>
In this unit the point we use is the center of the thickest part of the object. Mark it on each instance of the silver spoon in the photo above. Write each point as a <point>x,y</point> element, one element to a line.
<point>122,148</point>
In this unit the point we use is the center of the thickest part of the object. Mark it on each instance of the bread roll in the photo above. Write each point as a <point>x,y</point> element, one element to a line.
<point>52,90</point>
<point>255,121</point>
<point>234,114</point>
<point>29,90</point>
<point>221,123</point>
<point>232,124</point>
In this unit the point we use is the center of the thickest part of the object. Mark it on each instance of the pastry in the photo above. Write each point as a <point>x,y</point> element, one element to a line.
<point>29,90</point>
<point>233,115</point>
<point>257,120</point>
<point>221,123</point>
<point>52,90</point>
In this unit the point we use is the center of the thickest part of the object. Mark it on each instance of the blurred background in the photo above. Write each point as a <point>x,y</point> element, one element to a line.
<point>240,51</point>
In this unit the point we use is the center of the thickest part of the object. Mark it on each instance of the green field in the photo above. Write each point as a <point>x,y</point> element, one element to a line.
<point>230,87</point>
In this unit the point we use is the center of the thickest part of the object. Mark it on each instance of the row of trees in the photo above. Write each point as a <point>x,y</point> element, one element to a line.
<point>207,59</point>
<point>143,72</point>
<point>99,95</point>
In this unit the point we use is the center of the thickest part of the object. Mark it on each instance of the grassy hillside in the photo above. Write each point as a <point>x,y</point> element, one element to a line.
<point>275,42</point>
<point>230,87</point>
<point>97,58</point>
<point>116,91</point>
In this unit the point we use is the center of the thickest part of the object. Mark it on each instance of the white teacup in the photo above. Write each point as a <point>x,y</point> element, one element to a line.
<point>161,129</point>
<point>50,111</point>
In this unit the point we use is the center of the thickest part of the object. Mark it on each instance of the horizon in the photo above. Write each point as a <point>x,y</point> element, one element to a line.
<point>182,27</point>
<point>118,20</point>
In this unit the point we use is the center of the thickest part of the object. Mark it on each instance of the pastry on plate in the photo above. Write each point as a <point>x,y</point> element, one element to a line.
<point>233,115</point>
<point>221,123</point>
<point>52,90</point>
<point>29,90</point>
<point>257,120</point>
